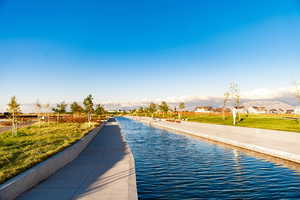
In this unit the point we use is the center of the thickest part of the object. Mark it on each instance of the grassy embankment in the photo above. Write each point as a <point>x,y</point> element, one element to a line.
<point>264,121</point>
<point>34,144</point>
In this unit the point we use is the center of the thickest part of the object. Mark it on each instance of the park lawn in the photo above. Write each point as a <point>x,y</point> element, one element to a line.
<point>35,143</point>
<point>273,122</point>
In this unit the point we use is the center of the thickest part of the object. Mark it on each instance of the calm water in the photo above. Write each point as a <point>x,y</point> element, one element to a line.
<point>171,166</point>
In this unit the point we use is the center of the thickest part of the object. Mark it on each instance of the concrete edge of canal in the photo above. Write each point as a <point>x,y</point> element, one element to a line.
<point>132,187</point>
<point>278,144</point>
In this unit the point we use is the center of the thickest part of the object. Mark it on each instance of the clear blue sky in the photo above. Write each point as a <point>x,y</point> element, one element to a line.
<point>128,50</point>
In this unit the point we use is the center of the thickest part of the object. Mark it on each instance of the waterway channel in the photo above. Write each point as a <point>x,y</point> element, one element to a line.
<point>175,166</point>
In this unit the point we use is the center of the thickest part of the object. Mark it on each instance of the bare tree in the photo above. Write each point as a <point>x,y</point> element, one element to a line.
<point>225,101</point>
<point>47,107</point>
<point>234,91</point>
<point>38,108</point>
<point>13,109</point>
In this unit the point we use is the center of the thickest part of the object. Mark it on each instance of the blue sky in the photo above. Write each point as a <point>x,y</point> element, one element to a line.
<point>131,50</point>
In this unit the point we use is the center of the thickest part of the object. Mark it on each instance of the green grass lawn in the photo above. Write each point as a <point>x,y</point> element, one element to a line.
<point>263,121</point>
<point>253,121</point>
<point>34,144</point>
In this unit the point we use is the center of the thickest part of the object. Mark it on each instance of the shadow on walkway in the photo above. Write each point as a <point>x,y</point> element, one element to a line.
<point>101,171</point>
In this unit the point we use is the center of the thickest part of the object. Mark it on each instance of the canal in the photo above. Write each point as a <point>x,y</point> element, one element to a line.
<point>174,166</point>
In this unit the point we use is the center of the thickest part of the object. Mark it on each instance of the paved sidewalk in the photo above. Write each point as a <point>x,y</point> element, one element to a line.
<point>104,170</point>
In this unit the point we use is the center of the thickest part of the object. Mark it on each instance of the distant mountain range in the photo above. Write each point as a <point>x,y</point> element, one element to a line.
<point>190,104</point>
<point>214,102</point>
<point>269,105</point>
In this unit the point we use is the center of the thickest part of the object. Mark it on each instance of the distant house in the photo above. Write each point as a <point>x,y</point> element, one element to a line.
<point>204,109</point>
<point>219,110</point>
<point>290,111</point>
<point>277,111</point>
<point>273,111</point>
<point>297,111</point>
<point>241,109</point>
<point>281,111</point>
<point>257,110</point>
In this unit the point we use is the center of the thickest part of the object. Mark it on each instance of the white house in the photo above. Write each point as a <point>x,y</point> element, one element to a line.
<point>297,110</point>
<point>203,109</point>
<point>257,110</point>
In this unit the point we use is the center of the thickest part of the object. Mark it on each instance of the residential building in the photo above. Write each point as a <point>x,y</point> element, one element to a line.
<point>204,109</point>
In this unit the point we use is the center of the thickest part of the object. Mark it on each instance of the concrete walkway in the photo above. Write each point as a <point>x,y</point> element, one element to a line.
<point>104,170</point>
<point>280,144</point>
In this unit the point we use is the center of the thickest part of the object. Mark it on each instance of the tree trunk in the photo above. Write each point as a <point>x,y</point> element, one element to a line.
<point>89,119</point>
<point>13,125</point>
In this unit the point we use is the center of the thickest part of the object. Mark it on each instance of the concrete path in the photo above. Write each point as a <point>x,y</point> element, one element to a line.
<point>104,170</point>
<point>280,144</point>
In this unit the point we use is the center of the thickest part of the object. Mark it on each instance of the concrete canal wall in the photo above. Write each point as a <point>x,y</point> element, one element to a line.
<point>280,144</point>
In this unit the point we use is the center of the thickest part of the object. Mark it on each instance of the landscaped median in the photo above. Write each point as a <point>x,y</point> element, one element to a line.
<point>36,143</point>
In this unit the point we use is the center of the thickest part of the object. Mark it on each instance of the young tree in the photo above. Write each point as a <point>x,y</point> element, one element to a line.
<point>235,94</point>
<point>152,108</point>
<point>181,107</point>
<point>225,101</point>
<point>38,108</point>
<point>100,110</point>
<point>60,109</point>
<point>13,109</point>
<point>47,106</point>
<point>141,110</point>
<point>89,107</point>
<point>76,108</point>
<point>163,107</point>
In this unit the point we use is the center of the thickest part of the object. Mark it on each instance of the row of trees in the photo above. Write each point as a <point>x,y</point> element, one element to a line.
<point>163,107</point>
<point>89,108</point>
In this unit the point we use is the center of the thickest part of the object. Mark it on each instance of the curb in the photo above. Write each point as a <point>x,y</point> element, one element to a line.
<point>31,177</point>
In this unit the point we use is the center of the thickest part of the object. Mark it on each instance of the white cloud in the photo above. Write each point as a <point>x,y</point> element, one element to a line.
<point>282,94</point>
<point>264,93</point>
